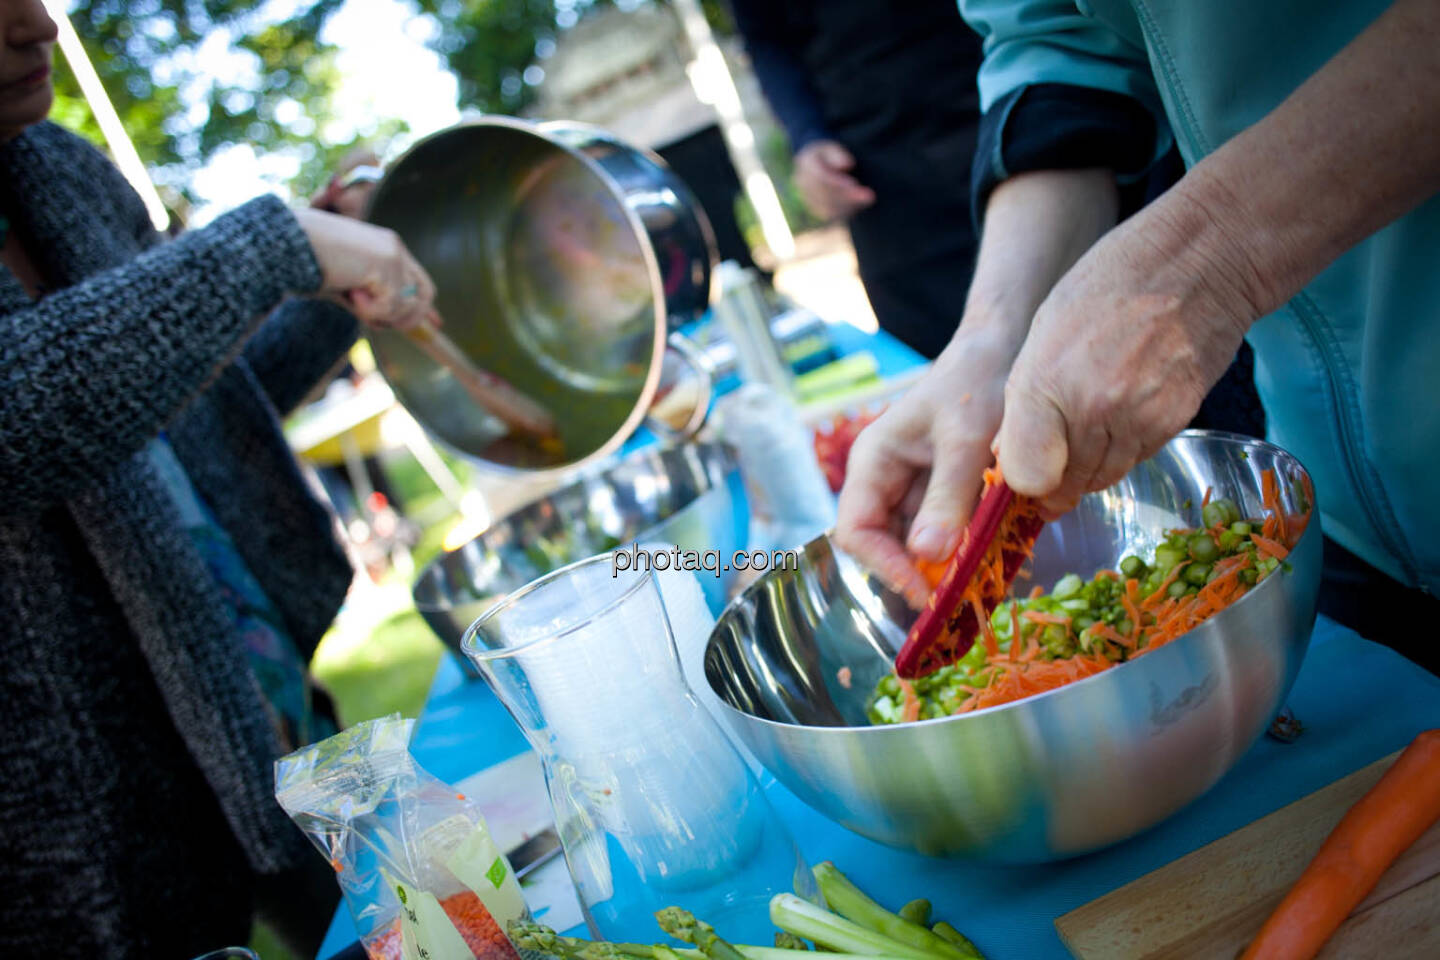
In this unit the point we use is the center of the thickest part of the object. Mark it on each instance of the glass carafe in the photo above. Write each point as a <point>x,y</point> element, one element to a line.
<point>653,805</point>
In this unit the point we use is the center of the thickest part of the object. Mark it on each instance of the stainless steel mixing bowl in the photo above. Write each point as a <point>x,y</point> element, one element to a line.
<point>1053,776</point>
<point>561,256</point>
<point>691,496</point>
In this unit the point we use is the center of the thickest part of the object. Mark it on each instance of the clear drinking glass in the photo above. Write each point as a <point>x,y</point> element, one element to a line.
<point>653,805</point>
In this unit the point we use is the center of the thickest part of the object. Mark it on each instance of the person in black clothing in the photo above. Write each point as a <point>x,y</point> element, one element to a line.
<point>881,108</point>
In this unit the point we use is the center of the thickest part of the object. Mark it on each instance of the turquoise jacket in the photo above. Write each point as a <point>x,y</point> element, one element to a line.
<point>1349,370</point>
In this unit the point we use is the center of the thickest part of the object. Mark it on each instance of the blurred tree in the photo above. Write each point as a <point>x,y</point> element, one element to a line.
<point>189,77</point>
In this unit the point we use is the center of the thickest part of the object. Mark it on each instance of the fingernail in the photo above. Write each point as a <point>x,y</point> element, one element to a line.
<point>931,542</point>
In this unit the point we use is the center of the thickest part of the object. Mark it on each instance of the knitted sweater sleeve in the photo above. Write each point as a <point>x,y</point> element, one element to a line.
<point>94,371</point>
<point>298,344</point>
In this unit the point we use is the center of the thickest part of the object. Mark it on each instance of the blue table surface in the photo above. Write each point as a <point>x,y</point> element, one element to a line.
<point>1358,701</point>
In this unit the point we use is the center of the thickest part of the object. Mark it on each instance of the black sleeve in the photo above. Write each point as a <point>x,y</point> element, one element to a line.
<point>772,41</point>
<point>1056,126</point>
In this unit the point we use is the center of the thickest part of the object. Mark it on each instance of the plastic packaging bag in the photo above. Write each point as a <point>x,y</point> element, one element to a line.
<point>414,858</point>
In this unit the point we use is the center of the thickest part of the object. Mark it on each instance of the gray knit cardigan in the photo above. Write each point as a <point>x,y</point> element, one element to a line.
<point>136,792</point>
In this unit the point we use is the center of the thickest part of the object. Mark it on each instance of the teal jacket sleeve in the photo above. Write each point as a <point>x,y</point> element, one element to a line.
<point>1038,42</point>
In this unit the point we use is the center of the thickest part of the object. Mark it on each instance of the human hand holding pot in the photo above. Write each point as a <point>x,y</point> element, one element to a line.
<point>369,268</point>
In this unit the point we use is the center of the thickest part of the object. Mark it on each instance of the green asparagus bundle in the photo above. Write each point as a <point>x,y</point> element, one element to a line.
<point>854,927</point>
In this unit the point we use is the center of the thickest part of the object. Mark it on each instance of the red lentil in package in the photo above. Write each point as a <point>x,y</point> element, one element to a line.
<point>415,861</point>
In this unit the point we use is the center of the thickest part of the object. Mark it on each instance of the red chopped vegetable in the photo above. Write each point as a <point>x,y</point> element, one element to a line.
<point>832,445</point>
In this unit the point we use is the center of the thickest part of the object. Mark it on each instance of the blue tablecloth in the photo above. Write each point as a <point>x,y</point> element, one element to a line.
<point>1358,702</point>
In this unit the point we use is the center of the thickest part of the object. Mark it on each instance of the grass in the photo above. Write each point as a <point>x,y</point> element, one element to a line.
<point>390,673</point>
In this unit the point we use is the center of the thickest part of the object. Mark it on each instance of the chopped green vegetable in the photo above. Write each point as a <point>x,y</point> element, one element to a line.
<point>682,925</point>
<point>851,903</point>
<point>916,911</point>
<point>944,929</point>
<point>804,919</point>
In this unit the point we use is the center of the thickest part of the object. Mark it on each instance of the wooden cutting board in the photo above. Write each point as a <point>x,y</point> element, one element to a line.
<point>1210,903</point>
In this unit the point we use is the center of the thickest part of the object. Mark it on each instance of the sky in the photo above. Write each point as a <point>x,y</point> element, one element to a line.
<point>387,72</point>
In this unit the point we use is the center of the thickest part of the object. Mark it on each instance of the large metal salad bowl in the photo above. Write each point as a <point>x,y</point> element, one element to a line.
<point>689,495</point>
<point>1061,773</point>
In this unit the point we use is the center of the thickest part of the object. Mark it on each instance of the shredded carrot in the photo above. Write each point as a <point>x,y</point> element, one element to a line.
<point>1269,547</point>
<point>1270,497</point>
<point>1106,632</point>
<point>1131,602</point>
<point>992,646</point>
<point>1205,500</point>
<point>911,709</point>
<point>1028,667</point>
<point>1161,591</point>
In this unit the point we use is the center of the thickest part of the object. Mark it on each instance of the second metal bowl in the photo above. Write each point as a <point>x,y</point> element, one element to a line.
<point>690,496</point>
<point>1061,773</point>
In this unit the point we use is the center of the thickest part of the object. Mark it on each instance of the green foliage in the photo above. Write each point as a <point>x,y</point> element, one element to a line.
<point>158,62</point>
<point>178,109</point>
<point>488,44</point>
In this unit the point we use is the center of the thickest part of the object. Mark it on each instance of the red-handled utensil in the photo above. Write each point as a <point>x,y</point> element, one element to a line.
<point>996,544</point>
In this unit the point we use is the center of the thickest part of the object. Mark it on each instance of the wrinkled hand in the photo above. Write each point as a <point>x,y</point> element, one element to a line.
<point>1117,361</point>
<point>914,474</point>
<point>369,268</point>
<point>822,175</point>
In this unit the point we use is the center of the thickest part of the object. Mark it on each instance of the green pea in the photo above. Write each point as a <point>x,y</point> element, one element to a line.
<point>1241,529</point>
<point>1228,542</point>
<point>1176,589</point>
<point>1132,567</point>
<point>1249,577</point>
<point>1197,572</point>
<point>1203,549</point>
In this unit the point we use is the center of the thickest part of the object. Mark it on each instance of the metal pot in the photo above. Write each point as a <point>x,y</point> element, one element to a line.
<point>563,259</point>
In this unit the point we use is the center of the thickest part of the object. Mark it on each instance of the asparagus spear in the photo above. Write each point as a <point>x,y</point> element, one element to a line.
<point>804,919</point>
<point>529,935</point>
<point>788,941</point>
<point>847,900</point>
<point>944,929</point>
<point>682,925</point>
<point>916,911</point>
<point>536,936</point>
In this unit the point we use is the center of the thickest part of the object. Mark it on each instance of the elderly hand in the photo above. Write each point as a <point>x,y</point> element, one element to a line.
<point>822,175</point>
<point>914,474</point>
<point>369,268</point>
<point>1121,354</point>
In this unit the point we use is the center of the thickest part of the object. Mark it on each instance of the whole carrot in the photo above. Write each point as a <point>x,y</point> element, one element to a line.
<point>1376,830</point>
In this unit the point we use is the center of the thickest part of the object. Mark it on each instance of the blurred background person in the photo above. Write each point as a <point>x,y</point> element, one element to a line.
<point>881,107</point>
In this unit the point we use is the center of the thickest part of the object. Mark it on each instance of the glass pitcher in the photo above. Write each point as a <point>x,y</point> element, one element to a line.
<point>653,805</point>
